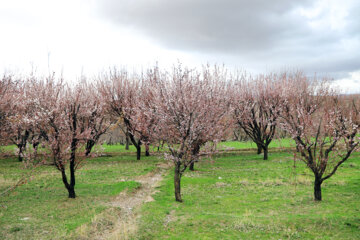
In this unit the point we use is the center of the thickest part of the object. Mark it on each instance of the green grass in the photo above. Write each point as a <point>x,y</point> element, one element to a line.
<point>241,196</point>
<point>119,148</point>
<point>229,145</point>
<point>7,149</point>
<point>40,209</point>
<point>231,196</point>
<point>115,148</point>
<point>236,145</point>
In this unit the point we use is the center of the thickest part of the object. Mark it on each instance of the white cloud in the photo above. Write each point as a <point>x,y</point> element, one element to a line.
<point>89,36</point>
<point>68,36</point>
<point>349,84</point>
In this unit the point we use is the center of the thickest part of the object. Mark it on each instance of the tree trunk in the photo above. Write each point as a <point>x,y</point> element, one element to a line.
<point>74,142</point>
<point>20,158</point>
<point>266,150</point>
<point>195,152</point>
<point>317,189</point>
<point>70,187</point>
<point>137,145</point>
<point>71,191</point>
<point>127,140</point>
<point>177,178</point>
<point>147,152</point>
<point>22,145</point>
<point>89,145</point>
<point>259,149</point>
<point>36,144</point>
<point>72,180</point>
<point>191,167</point>
<point>138,150</point>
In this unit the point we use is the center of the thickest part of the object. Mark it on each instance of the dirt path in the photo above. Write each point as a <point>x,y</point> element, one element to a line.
<point>120,221</point>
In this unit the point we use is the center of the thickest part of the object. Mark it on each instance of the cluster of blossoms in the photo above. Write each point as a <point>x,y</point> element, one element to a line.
<point>185,109</point>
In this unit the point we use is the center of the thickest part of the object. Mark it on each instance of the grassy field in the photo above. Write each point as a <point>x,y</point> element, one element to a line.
<point>231,196</point>
<point>40,209</point>
<point>236,145</point>
<point>244,197</point>
<point>225,146</point>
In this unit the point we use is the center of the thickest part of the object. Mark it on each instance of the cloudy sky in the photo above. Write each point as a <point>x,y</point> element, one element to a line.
<point>84,37</point>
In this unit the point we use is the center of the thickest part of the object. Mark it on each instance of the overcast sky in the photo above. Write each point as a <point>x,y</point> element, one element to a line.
<point>84,37</point>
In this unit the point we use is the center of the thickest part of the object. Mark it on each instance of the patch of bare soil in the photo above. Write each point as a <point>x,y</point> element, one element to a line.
<point>120,221</point>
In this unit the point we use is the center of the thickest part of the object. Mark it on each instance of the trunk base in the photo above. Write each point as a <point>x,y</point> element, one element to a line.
<point>317,190</point>
<point>177,178</point>
<point>138,153</point>
<point>72,193</point>
<point>266,151</point>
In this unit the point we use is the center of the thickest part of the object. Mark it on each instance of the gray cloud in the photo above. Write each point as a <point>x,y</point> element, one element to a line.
<point>258,32</point>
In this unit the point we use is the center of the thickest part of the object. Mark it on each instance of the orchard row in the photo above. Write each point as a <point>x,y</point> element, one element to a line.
<point>188,110</point>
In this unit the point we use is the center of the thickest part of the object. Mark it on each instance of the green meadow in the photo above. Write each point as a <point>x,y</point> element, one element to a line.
<point>232,195</point>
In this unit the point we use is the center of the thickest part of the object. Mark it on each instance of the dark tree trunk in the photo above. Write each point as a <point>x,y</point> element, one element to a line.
<point>259,149</point>
<point>138,150</point>
<point>74,142</point>
<point>137,145</point>
<point>22,144</point>
<point>36,144</point>
<point>266,150</point>
<point>317,189</point>
<point>20,158</point>
<point>177,178</point>
<point>147,152</point>
<point>191,167</point>
<point>195,152</point>
<point>21,147</point>
<point>127,140</point>
<point>89,145</point>
<point>70,187</point>
<point>72,180</point>
<point>71,191</point>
